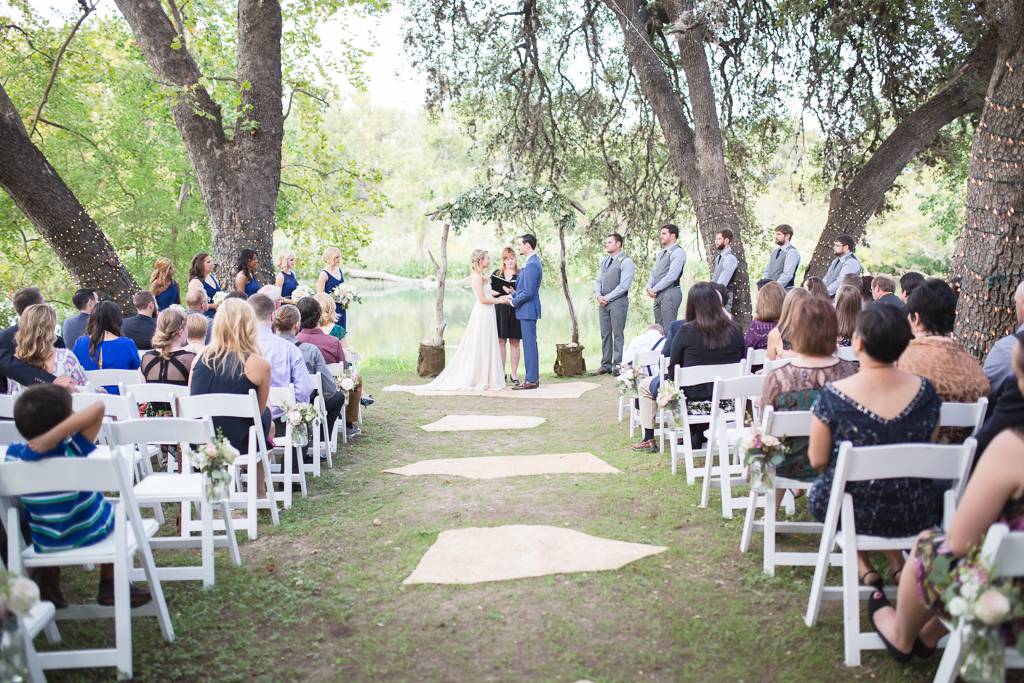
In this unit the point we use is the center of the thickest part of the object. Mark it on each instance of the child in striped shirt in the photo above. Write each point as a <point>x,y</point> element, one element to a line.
<point>71,519</point>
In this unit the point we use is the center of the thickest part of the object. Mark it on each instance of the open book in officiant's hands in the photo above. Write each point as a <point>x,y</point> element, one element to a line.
<point>501,286</point>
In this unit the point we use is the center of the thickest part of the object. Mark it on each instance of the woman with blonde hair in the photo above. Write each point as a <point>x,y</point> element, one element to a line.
<point>168,362</point>
<point>779,345</point>
<point>766,315</point>
<point>330,277</point>
<point>329,317</point>
<point>848,307</point>
<point>286,279</point>
<point>200,275</point>
<point>476,365</point>
<point>35,342</point>
<point>163,285</point>
<point>509,328</point>
<point>232,364</point>
<point>196,327</point>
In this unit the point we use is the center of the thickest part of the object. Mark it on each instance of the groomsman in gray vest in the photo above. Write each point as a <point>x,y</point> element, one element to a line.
<point>614,278</point>
<point>784,259</point>
<point>663,285</point>
<point>725,263</point>
<point>844,264</point>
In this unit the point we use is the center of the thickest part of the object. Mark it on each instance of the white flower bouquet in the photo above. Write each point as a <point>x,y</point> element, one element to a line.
<point>300,416</point>
<point>761,454</point>
<point>219,297</point>
<point>347,379</point>
<point>212,460</point>
<point>672,399</point>
<point>629,381</point>
<point>17,595</point>
<point>346,294</point>
<point>973,595</point>
<point>301,292</point>
<point>177,307</point>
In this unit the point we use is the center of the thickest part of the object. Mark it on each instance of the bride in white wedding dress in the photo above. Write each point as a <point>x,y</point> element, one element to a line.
<point>476,365</point>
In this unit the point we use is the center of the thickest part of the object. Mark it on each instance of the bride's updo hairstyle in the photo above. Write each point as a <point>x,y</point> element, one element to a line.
<point>476,259</point>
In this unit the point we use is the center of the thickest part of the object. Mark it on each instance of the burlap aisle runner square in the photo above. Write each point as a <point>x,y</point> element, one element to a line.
<point>498,466</point>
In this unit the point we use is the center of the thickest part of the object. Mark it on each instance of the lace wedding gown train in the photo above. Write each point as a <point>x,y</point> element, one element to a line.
<point>476,365</point>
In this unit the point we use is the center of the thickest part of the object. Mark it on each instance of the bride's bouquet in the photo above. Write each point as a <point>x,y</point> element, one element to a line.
<point>346,294</point>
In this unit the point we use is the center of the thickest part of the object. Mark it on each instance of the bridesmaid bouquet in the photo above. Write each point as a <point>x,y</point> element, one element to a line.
<point>219,297</point>
<point>346,294</point>
<point>301,292</point>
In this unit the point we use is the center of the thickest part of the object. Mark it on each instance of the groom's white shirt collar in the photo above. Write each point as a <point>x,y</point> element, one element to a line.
<point>530,257</point>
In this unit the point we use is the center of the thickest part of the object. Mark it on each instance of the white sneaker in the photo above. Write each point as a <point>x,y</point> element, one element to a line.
<point>353,431</point>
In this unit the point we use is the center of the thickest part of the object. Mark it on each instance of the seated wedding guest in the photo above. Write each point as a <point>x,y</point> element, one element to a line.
<point>245,266</point>
<point>762,282</point>
<point>997,363</point>
<point>168,362</point>
<point>103,347</point>
<point>779,345</point>
<point>766,315</point>
<point>329,319</point>
<point>795,386</point>
<point>848,308</point>
<point>908,283</point>
<point>36,346</point>
<point>651,340</point>
<point>163,285</point>
<point>816,286</point>
<point>881,404</point>
<point>232,364</point>
<point>198,306</point>
<point>272,292</point>
<point>22,299</point>
<point>286,280</point>
<point>12,368</point>
<point>852,280</point>
<point>865,289</point>
<point>883,291</point>
<point>994,493</point>
<point>313,314</point>
<point>74,327</point>
<point>141,326</point>
<point>709,337</point>
<point>287,325</point>
<point>286,363</point>
<point>237,295</point>
<point>723,292</point>
<point>933,354</point>
<point>198,329</point>
<point>62,521</point>
<point>200,276</point>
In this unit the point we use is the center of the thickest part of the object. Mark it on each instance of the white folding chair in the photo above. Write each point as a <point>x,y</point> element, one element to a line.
<point>130,537</point>
<point>188,489</point>
<point>320,430</point>
<point>722,438</point>
<point>770,365</point>
<point>41,618</point>
<point>1004,550</point>
<point>9,434</point>
<point>245,406</point>
<point>967,415</point>
<point>285,472</point>
<point>7,407</point>
<point>685,377</point>
<point>791,423</point>
<point>846,353</point>
<point>156,392</point>
<point>339,424</point>
<point>894,461</point>
<point>106,378</point>
<point>754,357</point>
<point>652,359</point>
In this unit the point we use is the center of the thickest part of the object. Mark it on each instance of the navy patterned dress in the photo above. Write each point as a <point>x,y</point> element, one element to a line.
<point>889,507</point>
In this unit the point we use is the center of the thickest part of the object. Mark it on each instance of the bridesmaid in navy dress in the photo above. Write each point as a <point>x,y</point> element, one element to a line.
<point>286,279</point>
<point>331,277</point>
<point>200,272</point>
<point>246,281</point>
<point>163,285</point>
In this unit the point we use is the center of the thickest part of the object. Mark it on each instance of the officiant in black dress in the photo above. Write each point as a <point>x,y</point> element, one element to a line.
<point>509,327</point>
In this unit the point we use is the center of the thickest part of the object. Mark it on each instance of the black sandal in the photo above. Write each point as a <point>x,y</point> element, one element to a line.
<point>876,584</point>
<point>896,577</point>
<point>921,650</point>
<point>876,602</point>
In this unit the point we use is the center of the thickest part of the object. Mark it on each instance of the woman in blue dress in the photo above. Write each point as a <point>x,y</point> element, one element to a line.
<point>200,272</point>
<point>286,279</point>
<point>330,278</point>
<point>163,285</point>
<point>245,281</point>
<point>102,347</point>
<point>881,404</point>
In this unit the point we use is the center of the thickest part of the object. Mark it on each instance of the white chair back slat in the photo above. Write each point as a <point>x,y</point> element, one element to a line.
<point>163,430</point>
<point>280,395</point>
<point>898,461</point>
<point>19,478</point>
<point>648,359</point>
<point>335,368</point>
<point>218,405</point>
<point>786,422</point>
<point>746,386</point>
<point>9,434</point>
<point>105,378</point>
<point>7,407</point>
<point>156,392</point>
<point>705,374</point>
<point>755,357</point>
<point>770,365</point>
<point>964,415</point>
<point>122,407</point>
<point>846,353</point>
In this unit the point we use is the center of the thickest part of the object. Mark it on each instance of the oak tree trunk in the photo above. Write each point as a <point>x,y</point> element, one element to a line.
<point>989,254</point>
<point>850,208</point>
<point>40,193</point>
<point>239,174</point>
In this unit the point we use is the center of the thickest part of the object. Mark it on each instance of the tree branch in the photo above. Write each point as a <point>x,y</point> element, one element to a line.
<point>299,187</point>
<point>28,39</point>
<point>289,109</point>
<point>86,11</point>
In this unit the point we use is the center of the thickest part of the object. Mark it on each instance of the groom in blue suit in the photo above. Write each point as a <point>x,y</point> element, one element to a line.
<point>526,299</point>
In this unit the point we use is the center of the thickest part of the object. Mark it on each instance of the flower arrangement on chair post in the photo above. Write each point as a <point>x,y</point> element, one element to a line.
<point>212,460</point>
<point>300,416</point>
<point>629,381</point>
<point>346,294</point>
<point>761,454</point>
<point>347,379</point>
<point>982,602</point>
<point>672,399</point>
<point>17,596</point>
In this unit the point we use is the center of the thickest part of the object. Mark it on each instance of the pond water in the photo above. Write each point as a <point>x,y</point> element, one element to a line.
<point>393,323</point>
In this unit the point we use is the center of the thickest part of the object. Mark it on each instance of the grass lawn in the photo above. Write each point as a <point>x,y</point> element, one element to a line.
<point>320,598</point>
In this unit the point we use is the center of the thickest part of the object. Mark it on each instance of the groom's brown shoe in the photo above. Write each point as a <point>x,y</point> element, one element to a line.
<point>527,385</point>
